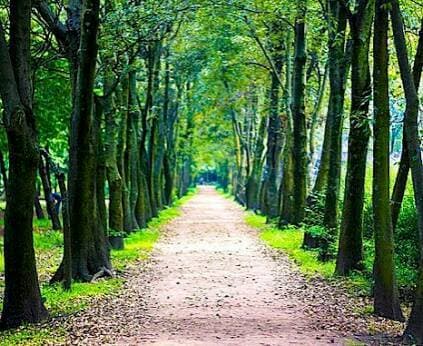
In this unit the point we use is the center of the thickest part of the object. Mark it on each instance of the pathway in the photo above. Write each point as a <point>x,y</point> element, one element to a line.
<point>210,282</point>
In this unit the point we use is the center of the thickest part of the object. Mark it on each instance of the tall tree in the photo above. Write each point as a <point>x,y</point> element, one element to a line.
<point>386,296</point>
<point>298,114</point>
<point>404,165</point>
<point>274,127</point>
<point>350,250</point>
<point>22,298</point>
<point>337,77</point>
<point>414,328</point>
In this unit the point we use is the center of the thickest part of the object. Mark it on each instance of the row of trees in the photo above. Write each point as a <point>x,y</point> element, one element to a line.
<point>258,92</point>
<point>116,121</point>
<point>275,114</point>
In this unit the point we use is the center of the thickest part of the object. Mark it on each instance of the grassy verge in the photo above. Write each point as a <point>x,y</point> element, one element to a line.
<point>289,240</point>
<point>227,194</point>
<point>49,245</point>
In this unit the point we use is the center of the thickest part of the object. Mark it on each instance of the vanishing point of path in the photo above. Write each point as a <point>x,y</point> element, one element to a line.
<point>210,281</point>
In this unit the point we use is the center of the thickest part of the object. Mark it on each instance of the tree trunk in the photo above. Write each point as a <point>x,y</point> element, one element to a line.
<point>287,185</point>
<point>253,183</point>
<point>274,137</point>
<point>314,121</point>
<point>37,204</point>
<point>114,178</point>
<point>298,115</point>
<point>54,217</point>
<point>22,298</point>
<point>350,249</point>
<point>337,76</point>
<point>386,296</point>
<point>122,160</point>
<point>67,248</point>
<point>133,159</point>
<point>414,328</point>
<point>89,247</point>
<point>404,165</point>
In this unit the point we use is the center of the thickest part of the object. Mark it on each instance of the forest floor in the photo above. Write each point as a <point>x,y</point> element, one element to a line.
<point>211,281</point>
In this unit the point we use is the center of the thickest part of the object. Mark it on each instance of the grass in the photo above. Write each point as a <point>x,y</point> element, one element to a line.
<point>48,245</point>
<point>289,240</point>
<point>33,336</point>
<point>227,194</point>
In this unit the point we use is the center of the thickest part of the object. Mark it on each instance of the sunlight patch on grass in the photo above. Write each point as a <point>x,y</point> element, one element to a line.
<point>48,240</point>
<point>33,336</point>
<point>137,247</point>
<point>289,240</point>
<point>61,302</point>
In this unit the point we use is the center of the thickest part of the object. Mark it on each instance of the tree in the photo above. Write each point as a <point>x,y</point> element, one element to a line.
<point>404,165</point>
<point>274,127</point>
<point>89,247</point>
<point>386,296</point>
<point>22,297</point>
<point>350,250</point>
<point>414,328</point>
<point>298,114</point>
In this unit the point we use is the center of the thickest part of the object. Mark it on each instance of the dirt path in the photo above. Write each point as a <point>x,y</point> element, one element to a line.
<point>210,282</point>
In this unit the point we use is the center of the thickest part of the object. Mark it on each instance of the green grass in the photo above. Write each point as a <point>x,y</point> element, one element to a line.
<point>289,240</point>
<point>49,245</point>
<point>33,336</point>
<point>137,247</point>
<point>227,194</point>
<point>60,303</point>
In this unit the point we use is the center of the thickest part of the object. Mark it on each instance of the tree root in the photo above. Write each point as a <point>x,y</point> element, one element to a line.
<point>103,272</point>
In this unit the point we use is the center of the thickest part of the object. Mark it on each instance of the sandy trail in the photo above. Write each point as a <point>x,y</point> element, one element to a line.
<point>210,282</point>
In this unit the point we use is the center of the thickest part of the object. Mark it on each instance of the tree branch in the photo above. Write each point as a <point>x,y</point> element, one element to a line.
<point>55,25</point>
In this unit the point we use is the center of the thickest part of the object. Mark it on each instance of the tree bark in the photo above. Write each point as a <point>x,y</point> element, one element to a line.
<point>89,247</point>
<point>122,160</point>
<point>298,115</point>
<point>114,178</point>
<point>404,165</point>
<point>22,298</point>
<point>67,240</point>
<point>274,136</point>
<point>43,171</point>
<point>39,212</point>
<point>414,328</point>
<point>337,76</point>
<point>253,183</point>
<point>287,185</point>
<point>386,296</point>
<point>350,249</point>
